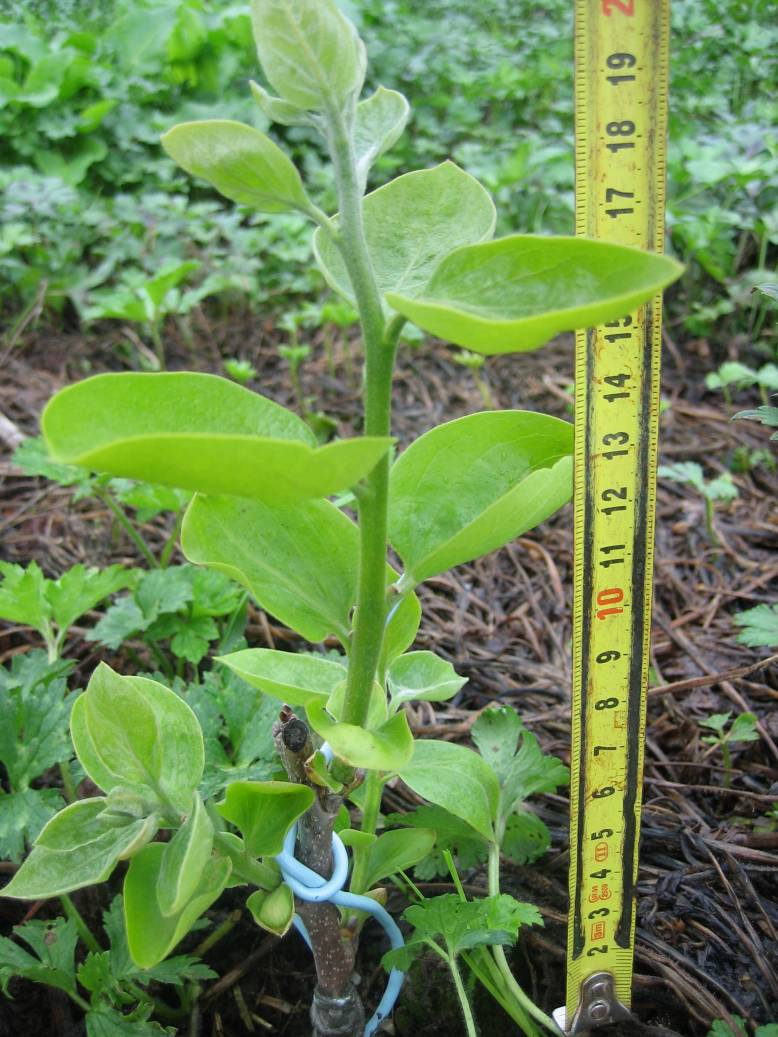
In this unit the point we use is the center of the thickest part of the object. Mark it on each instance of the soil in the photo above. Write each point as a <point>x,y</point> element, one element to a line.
<point>707,914</point>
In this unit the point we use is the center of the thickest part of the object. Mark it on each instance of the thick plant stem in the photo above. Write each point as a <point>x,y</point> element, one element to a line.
<point>526,1003</point>
<point>379,359</point>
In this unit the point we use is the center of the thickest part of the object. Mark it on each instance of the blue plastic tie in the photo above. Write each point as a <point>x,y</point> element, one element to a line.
<point>308,885</point>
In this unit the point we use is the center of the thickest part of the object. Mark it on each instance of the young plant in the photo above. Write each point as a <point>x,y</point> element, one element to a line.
<point>474,362</point>
<point>733,373</point>
<point>722,1029</point>
<point>262,514</point>
<point>742,729</point>
<point>241,371</point>
<point>722,488</point>
<point>759,626</point>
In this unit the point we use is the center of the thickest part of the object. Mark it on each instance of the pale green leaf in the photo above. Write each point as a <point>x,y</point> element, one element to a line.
<point>131,731</point>
<point>264,811</point>
<point>273,911</point>
<point>309,51</point>
<point>377,713</point>
<point>402,625</point>
<point>78,847</point>
<point>396,851</point>
<point>150,934</point>
<point>240,162</point>
<point>475,483</point>
<point>380,120</point>
<point>411,223</point>
<point>384,748</point>
<point>758,626</point>
<point>516,293</point>
<point>422,676</point>
<point>278,110</point>
<point>185,857</point>
<point>457,779</point>
<point>200,432</point>
<point>23,595</point>
<point>287,676</point>
<point>298,561</point>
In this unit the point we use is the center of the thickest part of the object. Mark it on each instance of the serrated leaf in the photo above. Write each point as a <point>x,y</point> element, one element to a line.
<point>200,432</point>
<point>743,729</point>
<point>759,626</point>
<point>79,589</point>
<point>385,748</point>
<point>242,164</point>
<point>380,119</point>
<point>456,779</point>
<point>134,732</point>
<point>150,934</point>
<point>32,457</point>
<point>411,223</point>
<point>475,483</point>
<point>23,595</point>
<point>264,811</point>
<point>514,294</point>
<point>309,51</point>
<point>422,676</point>
<point>33,723</point>
<point>78,847</point>
<point>52,961</point>
<point>184,859</point>
<point>287,676</point>
<point>22,816</point>
<point>104,1021</point>
<point>526,837</point>
<point>312,591</point>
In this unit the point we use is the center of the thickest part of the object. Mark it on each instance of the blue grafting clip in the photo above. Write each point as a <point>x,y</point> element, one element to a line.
<point>307,885</point>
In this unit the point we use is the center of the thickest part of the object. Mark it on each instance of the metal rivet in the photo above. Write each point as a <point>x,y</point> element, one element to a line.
<point>599,1011</point>
<point>599,989</point>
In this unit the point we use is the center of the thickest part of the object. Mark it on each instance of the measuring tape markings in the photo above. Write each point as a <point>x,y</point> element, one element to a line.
<point>621,79</point>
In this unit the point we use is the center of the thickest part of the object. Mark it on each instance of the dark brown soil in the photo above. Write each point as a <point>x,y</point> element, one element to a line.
<point>707,944</point>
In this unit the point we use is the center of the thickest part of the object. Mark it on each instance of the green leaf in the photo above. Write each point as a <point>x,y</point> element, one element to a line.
<point>759,626</point>
<point>473,484</point>
<point>287,676</point>
<point>184,859</point>
<point>78,847</point>
<point>516,293</point>
<point>264,811</point>
<point>53,959</point>
<point>716,722</point>
<point>104,1021</point>
<point>32,457</point>
<point>380,120</point>
<point>273,911</point>
<point>131,731</point>
<point>200,432</point>
<point>397,850</point>
<point>731,373</point>
<point>150,934</point>
<point>298,561</point>
<point>309,51</point>
<point>457,779</point>
<point>377,712</point>
<point>23,595</point>
<point>240,162</point>
<point>451,833</point>
<point>22,816</point>
<point>79,589</point>
<point>411,224</point>
<point>743,729</point>
<point>526,838</point>
<point>167,278</point>
<point>402,625</point>
<point>422,676</point>
<point>278,110</point>
<point>384,748</point>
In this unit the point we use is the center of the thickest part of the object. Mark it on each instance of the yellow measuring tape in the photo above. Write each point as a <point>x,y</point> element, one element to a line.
<point>621,75</point>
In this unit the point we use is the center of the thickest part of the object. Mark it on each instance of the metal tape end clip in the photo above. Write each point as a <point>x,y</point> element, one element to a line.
<point>597,1005</point>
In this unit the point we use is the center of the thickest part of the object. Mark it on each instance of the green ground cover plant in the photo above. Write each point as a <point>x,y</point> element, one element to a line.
<point>262,515</point>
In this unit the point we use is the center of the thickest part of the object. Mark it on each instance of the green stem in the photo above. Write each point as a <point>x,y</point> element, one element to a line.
<point>467,1011</point>
<point>709,521</point>
<point>86,934</point>
<point>67,781</point>
<point>727,757</point>
<point>374,785</point>
<point>127,526</point>
<point>527,1004</point>
<point>219,932</point>
<point>170,543</point>
<point>379,360</point>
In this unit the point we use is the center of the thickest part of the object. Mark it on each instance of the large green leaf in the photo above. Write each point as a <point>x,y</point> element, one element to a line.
<point>202,433</point>
<point>384,748</point>
<point>184,859</point>
<point>457,779</point>
<point>515,293</point>
<point>397,850</point>
<point>134,732</point>
<point>264,811</point>
<point>288,676</point>
<point>299,561</point>
<point>78,847</point>
<point>411,223</point>
<point>309,51</point>
<point>242,164</point>
<point>422,676</point>
<point>380,120</point>
<point>150,934</point>
<point>473,484</point>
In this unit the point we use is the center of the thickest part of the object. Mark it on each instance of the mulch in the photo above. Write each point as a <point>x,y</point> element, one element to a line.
<point>707,914</point>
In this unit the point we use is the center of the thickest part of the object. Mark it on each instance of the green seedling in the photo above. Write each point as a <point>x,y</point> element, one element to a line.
<point>722,488</point>
<point>342,315</point>
<point>52,606</point>
<point>737,375</point>
<point>241,371</point>
<point>723,1029</point>
<point>765,415</point>
<point>146,302</point>
<point>295,357</point>
<point>263,514</point>
<point>474,362</point>
<point>759,626</point>
<point>742,729</point>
